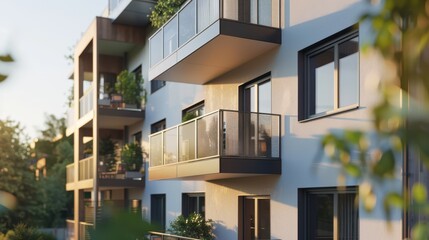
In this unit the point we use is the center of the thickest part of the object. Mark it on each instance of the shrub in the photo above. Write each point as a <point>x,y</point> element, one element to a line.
<point>194,226</point>
<point>164,10</point>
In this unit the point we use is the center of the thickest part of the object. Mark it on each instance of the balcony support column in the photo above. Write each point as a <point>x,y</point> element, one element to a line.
<point>95,122</point>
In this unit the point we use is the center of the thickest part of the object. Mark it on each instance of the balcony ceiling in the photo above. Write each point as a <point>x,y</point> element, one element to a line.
<point>118,119</point>
<point>133,12</point>
<point>218,49</point>
<point>114,48</point>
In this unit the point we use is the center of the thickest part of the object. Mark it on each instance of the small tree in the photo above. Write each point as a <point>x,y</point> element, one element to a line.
<point>130,87</point>
<point>194,226</point>
<point>132,157</point>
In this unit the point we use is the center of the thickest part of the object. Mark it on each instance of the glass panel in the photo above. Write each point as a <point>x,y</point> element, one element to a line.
<point>264,12</point>
<point>170,146</point>
<point>250,129</point>
<point>208,135</point>
<point>264,224</point>
<point>322,81</point>
<point>275,136</point>
<point>187,23</point>
<point>320,216</point>
<point>187,141</point>
<point>156,53</point>
<point>170,37</point>
<point>156,150</point>
<point>230,146</point>
<point>264,97</point>
<point>348,72</point>
<point>275,12</point>
<point>264,135</point>
<point>230,9</point>
<point>348,217</point>
<point>208,12</point>
<point>254,11</point>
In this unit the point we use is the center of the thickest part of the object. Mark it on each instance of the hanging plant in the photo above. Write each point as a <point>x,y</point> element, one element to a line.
<point>164,10</point>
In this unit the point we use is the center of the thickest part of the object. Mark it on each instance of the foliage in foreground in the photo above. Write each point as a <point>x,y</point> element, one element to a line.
<point>401,31</point>
<point>194,226</point>
<point>16,178</point>
<point>124,226</point>
<point>24,232</point>
<point>5,59</point>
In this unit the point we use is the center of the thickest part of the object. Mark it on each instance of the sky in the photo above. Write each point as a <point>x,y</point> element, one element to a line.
<point>39,34</point>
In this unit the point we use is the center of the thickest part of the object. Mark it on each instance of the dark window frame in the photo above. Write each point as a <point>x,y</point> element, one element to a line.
<point>266,77</point>
<point>303,207</point>
<point>154,128</point>
<point>306,88</point>
<point>155,85</point>
<point>194,108</point>
<point>185,203</point>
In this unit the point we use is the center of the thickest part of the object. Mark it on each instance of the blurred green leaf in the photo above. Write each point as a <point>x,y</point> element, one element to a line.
<point>2,77</point>
<point>419,193</point>
<point>385,167</point>
<point>420,231</point>
<point>6,58</point>
<point>353,170</point>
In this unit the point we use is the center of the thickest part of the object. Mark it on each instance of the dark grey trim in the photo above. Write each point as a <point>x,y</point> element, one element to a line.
<point>250,31</point>
<point>121,113</point>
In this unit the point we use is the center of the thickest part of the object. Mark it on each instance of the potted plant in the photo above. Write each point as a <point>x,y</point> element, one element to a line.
<point>132,160</point>
<point>130,87</point>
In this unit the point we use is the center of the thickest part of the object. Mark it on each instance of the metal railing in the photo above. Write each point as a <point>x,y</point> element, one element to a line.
<point>70,229</point>
<point>196,15</point>
<point>84,228</point>
<point>166,236</point>
<point>86,102</point>
<point>106,208</point>
<point>86,168</point>
<point>70,173</point>
<point>223,133</point>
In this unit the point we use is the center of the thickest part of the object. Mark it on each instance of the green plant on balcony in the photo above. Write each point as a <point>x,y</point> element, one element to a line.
<point>188,116</point>
<point>107,154</point>
<point>163,11</point>
<point>193,226</point>
<point>131,157</point>
<point>130,87</point>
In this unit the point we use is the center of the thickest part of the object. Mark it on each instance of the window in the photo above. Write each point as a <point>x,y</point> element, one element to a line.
<point>155,85</point>
<point>137,138</point>
<point>254,217</point>
<point>138,72</point>
<point>157,210</point>
<point>158,126</point>
<point>328,213</point>
<point>256,95</point>
<point>193,203</point>
<point>329,75</point>
<point>193,111</point>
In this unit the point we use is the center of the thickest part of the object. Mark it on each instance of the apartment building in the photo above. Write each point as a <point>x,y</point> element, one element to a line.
<point>239,94</point>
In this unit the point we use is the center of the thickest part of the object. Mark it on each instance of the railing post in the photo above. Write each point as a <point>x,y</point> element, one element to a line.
<point>196,138</point>
<point>220,132</point>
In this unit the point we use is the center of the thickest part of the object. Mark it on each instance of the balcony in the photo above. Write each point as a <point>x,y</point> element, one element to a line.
<point>131,12</point>
<point>106,177</point>
<point>219,145</point>
<point>206,39</point>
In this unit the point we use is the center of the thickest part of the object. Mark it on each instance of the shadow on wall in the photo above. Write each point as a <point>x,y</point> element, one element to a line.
<point>221,231</point>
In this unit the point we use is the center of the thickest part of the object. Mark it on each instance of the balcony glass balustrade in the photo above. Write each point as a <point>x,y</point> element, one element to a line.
<point>222,134</point>
<point>196,15</point>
